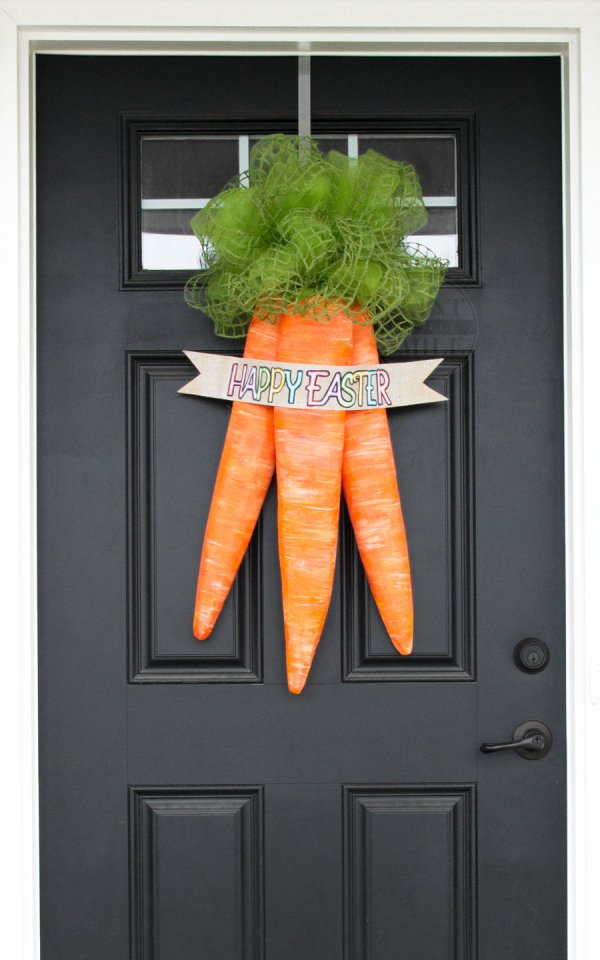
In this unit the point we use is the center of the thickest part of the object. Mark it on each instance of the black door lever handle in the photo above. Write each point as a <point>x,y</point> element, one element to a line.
<point>534,742</point>
<point>531,740</point>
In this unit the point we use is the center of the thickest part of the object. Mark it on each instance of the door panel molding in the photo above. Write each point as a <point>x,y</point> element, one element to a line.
<point>382,839</point>
<point>158,651</point>
<point>452,657</point>
<point>204,840</point>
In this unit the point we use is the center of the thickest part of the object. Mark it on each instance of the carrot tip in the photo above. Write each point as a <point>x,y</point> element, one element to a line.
<point>403,648</point>
<point>201,632</point>
<point>296,686</point>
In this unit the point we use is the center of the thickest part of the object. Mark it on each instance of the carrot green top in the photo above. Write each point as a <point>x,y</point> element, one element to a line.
<point>303,231</point>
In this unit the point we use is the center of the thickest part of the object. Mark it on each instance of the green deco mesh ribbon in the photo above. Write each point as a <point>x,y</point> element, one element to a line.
<point>304,232</point>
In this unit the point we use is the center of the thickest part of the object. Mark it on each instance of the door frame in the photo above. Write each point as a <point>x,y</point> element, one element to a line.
<point>570,28</point>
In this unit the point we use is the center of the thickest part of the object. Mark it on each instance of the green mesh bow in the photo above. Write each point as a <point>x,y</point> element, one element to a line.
<point>303,232</point>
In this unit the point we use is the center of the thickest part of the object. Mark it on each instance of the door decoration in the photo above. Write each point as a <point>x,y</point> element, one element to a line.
<point>306,257</point>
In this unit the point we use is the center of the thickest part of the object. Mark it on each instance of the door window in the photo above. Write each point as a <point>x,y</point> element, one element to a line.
<point>179,173</point>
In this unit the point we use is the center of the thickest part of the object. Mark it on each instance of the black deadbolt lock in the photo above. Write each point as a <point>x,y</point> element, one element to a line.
<point>531,654</point>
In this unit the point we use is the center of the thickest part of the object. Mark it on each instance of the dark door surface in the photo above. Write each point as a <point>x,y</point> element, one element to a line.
<point>190,806</point>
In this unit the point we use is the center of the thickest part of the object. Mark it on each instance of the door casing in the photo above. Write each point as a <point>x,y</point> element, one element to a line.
<point>486,27</point>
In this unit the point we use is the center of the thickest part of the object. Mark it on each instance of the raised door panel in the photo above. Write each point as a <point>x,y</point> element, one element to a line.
<point>433,448</point>
<point>196,873</point>
<point>409,871</point>
<point>174,444</point>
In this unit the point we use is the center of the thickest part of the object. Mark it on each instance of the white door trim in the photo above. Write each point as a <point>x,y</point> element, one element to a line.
<point>336,27</point>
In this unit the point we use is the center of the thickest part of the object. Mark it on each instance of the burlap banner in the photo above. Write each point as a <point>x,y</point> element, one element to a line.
<point>312,386</point>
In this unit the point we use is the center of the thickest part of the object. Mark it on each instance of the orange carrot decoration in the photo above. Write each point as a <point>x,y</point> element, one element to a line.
<point>371,493</point>
<point>298,242</point>
<point>309,446</point>
<point>245,472</point>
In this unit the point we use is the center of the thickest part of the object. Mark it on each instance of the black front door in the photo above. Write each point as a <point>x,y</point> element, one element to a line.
<point>190,806</point>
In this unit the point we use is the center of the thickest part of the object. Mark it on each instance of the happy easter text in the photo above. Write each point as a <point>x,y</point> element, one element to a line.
<point>318,387</point>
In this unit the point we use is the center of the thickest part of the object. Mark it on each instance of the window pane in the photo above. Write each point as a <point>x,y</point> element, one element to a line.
<point>434,159</point>
<point>180,174</point>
